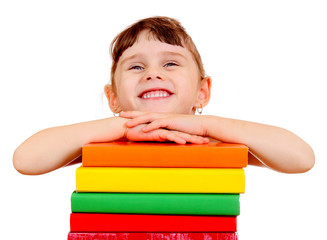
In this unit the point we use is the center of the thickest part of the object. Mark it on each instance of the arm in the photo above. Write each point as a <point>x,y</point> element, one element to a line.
<point>269,146</point>
<point>275,147</point>
<point>56,147</point>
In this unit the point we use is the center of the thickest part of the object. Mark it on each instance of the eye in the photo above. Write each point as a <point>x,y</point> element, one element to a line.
<point>169,64</point>
<point>136,67</point>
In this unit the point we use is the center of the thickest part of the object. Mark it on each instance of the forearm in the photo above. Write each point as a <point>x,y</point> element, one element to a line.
<point>55,147</point>
<point>277,148</point>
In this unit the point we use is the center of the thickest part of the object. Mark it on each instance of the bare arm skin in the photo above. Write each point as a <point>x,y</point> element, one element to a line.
<point>56,147</point>
<point>270,146</point>
<point>277,148</point>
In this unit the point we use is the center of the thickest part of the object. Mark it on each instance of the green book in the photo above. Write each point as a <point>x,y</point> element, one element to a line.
<point>156,203</point>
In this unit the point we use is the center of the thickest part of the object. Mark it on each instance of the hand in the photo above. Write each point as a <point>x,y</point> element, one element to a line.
<point>183,123</point>
<point>162,135</point>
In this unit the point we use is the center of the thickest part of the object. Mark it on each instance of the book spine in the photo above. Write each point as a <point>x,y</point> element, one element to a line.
<point>156,203</point>
<point>164,180</point>
<point>90,222</point>
<point>153,236</point>
<point>141,155</point>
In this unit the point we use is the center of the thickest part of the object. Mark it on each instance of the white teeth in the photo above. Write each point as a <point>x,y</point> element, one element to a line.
<point>155,94</point>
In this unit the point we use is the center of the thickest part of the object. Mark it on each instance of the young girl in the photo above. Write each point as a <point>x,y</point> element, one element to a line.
<point>157,84</point>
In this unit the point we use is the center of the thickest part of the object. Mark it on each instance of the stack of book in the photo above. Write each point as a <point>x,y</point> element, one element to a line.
<point>158,191</point>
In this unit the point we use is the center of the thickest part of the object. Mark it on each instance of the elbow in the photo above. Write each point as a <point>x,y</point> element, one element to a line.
<point>18,162</point>
<point>305,161</point>
<point>23,164</point>
<point>308,161</point>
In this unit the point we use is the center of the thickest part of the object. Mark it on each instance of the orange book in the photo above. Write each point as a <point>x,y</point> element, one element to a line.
<point>154,154</point>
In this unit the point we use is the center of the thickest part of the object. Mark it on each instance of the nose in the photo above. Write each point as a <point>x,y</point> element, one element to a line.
<point>157,77</point>
<point>153,74</point>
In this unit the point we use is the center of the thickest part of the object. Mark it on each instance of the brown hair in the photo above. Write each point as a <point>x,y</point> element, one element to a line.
<point>164,29</point>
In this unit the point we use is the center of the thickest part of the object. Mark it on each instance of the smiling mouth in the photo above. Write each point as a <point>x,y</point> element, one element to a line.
<point>155,94</point>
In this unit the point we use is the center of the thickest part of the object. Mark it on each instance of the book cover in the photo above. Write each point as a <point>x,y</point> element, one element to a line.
<point>164,180</point>
<point>153,154</point>
<point>156,203</point>
<point>153,236</point>
<point>96,222</point>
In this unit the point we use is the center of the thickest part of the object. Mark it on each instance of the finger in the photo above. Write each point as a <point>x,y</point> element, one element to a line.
<point>200,140</point>
<point>171,136</point>
<point>145,118</point>
<point>193,138</point>
<point>206,140</point>
<point>154,125</point>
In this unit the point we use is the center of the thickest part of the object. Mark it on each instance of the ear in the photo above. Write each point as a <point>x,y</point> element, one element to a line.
<point>112,98</point>
<point>204,93</point>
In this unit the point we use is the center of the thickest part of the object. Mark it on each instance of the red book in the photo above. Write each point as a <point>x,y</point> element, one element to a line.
<point>90,222</point>
<point>153,236</point>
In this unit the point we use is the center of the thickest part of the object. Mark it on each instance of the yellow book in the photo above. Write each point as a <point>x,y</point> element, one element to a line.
<point>163,180</point>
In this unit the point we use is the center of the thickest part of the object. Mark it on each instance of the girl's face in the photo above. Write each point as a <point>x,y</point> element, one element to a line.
<point>153,76</point>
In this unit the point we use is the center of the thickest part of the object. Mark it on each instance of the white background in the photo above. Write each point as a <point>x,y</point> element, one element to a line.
<point>268,62</point>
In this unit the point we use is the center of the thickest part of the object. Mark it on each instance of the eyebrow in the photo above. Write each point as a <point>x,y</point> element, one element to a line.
<point>131,58</point>
<point>165,53</point>
<point>168,53</point>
